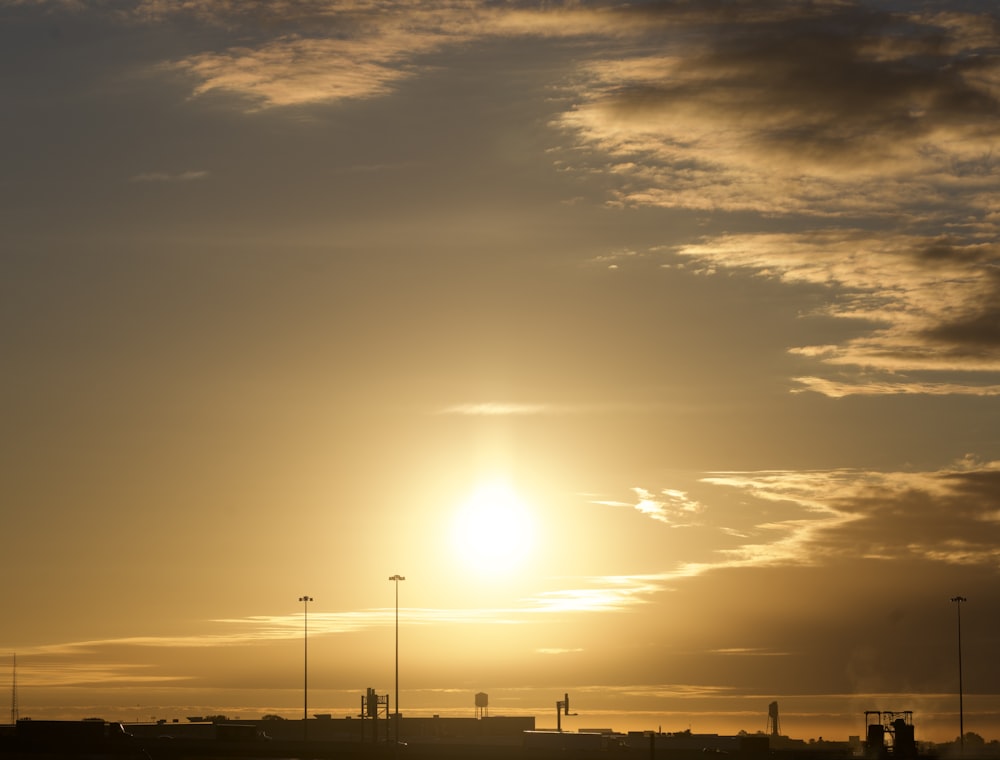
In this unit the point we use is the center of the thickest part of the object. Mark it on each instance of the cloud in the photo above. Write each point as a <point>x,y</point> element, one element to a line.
<point>875,128</point>
<point>106,661</point>
<point>505,408</point>
<point>831,114</point>
<point>323,51</point>
<point>185,176</point>
<point>51,674</point>
<point>817,519</point>
<point>327,51</point>
<point>827,109</point>
<point>294,70</point>
<point>869,387</point>
<point>669,506</point>
<point>496,409</point>
<point>928,304</point>
<point>794,519</point>
<point>72,5</point>
<point>947,516</point>
<point>598,594</point>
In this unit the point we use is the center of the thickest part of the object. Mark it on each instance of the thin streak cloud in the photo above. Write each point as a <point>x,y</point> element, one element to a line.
<point>498,409</point>
<point>185,176</point>
<point>502,409</point>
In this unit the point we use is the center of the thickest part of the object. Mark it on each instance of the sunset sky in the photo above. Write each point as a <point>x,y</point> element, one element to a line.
<point>657,345</point>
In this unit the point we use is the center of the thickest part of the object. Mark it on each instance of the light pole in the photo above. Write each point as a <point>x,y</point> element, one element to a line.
<point>961,712</point>
<point>396,579</point>
<point>305,664</point>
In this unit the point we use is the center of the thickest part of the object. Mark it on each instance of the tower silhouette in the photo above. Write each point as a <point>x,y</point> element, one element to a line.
<point>13,690</point>
<point>772,719</point>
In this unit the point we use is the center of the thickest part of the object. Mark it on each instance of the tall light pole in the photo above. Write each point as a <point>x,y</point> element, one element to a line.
<point>396,579</point>
<point>305,664</point>
<point>961,712</point>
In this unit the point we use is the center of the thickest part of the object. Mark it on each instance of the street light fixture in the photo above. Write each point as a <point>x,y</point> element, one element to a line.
<point>396,579</point>
<point>961,712</point>
<point>305,664</point>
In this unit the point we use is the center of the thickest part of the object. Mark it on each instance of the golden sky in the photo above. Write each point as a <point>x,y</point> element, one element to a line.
<point>656,344</point>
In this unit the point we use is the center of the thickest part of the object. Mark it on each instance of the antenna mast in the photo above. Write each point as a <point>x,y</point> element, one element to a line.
<point>13,691</point>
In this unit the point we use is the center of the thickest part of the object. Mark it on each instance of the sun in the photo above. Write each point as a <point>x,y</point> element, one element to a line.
<point>493,532</point>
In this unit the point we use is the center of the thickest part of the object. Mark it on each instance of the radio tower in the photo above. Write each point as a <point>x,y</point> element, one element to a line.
<point>13,691</point>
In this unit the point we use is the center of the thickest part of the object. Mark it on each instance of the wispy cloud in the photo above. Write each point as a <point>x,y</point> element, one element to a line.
<point>942,516</point>
<point>669,506</point>
<point>946,517</point>
<point>708,109</point>
<point>840,388</point>
<point>322,51</point>
<point>930,303</point>
<point>598,594</point>
<point>295,70</point>
<point>185,176</point>
<point>497,409</point>
<point>815,518</point>
<point>61,673</point>
<point>326,51</point>
<point>504,408</point>
<point>76,663</point>
<point>763,114</point>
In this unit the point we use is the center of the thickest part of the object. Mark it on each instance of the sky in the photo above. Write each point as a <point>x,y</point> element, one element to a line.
<point>656,345</point>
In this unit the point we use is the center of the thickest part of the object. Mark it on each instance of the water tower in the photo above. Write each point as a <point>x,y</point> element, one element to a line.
<point>772,720</point>
<point>482,705</point>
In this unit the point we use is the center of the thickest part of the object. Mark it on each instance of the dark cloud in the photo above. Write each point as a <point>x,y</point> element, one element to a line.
<point>833,85</point>
<point>830,113</point>
<point>948,517</point>
<point>947,250</point>
<point>977,334</point>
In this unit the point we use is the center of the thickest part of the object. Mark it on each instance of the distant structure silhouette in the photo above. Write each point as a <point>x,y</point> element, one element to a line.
<point>482,705</point>
<point>772,719</point>
<point>14,714</point>
<point>897,727</point>
<point>373,705</point>
<point>562,708</point>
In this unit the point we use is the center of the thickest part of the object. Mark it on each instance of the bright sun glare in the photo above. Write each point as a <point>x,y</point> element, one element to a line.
<point>493,532</point>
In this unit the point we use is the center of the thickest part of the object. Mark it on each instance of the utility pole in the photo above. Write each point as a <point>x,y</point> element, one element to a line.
<point>305,665</point>
<point>396,579</point>
<point>13,691</point>
<point>961,712</point>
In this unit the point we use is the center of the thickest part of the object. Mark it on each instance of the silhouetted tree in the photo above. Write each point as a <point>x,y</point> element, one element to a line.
<point>974,740</point>
<point>272,717</point>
